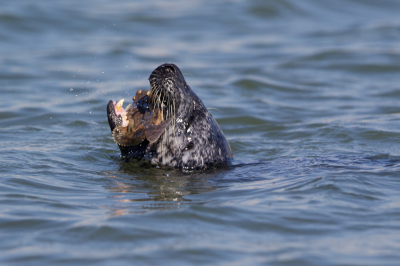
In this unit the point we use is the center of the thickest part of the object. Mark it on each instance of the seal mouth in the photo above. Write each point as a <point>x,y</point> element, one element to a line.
<point>137,122</point>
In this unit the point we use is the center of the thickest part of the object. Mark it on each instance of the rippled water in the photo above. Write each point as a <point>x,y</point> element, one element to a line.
<point>307,93</point>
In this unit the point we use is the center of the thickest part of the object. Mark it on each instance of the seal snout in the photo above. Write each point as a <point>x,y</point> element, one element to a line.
<point>165,71</point>
<point>167,88</point>
<point>170,67</point>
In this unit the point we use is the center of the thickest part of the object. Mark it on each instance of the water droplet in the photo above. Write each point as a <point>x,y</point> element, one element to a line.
<point>90,112</point>
<point>71,89</point>
<point>51,117</point>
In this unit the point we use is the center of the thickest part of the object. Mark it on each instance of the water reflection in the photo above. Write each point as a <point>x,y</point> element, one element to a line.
<point>138,186</point>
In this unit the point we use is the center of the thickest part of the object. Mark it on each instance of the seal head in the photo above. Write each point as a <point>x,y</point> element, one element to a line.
<point>168,125</point>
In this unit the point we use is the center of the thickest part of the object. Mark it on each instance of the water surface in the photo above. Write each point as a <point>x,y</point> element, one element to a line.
<point>306,93</point>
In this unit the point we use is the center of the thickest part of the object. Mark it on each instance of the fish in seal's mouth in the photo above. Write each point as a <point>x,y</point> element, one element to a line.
<point>136,122</point>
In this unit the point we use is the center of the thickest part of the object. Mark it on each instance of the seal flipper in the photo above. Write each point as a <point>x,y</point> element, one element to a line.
<point>153,132</point>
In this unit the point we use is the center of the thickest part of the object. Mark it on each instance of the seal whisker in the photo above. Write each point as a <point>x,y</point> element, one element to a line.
<point>174,110</point>
<point>214,109</point>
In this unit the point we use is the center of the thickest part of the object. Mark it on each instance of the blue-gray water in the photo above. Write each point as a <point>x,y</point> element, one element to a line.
<point>307,93</point>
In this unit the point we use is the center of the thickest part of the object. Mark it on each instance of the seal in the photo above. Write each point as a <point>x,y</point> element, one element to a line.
<point>168,125</point>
